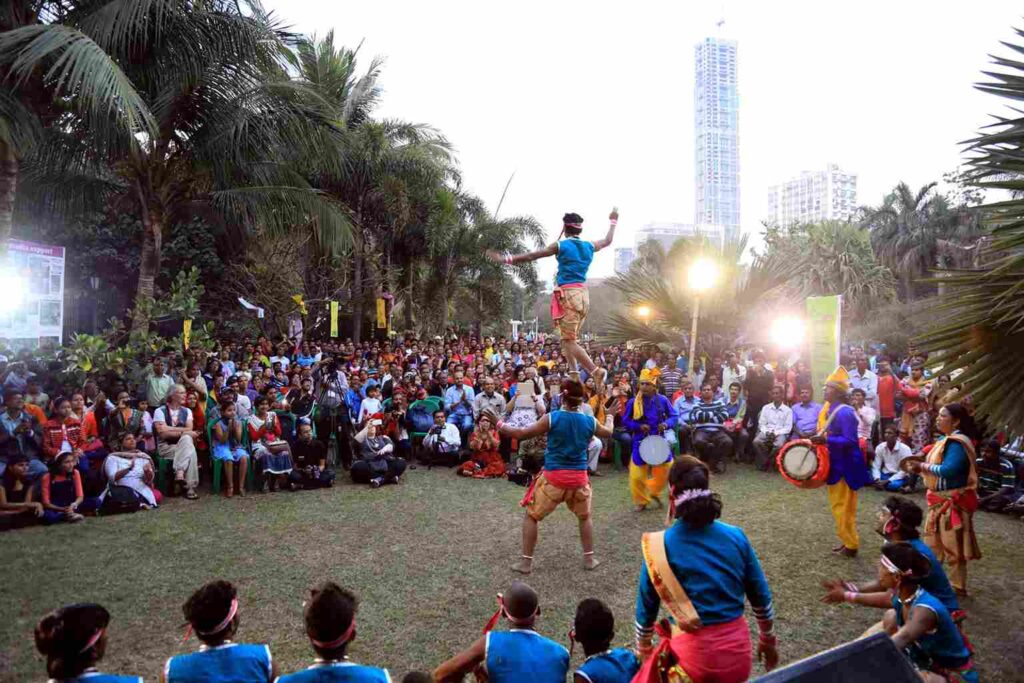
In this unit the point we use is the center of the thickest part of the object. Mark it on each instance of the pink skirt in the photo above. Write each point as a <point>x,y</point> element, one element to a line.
<point>715,654</point>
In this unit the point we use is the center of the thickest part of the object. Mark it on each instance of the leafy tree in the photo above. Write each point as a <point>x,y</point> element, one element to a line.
<point>979,321</point>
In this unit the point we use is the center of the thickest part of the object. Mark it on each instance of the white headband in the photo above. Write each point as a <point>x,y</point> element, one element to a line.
<point>690,494</point>
<point>888,564</point>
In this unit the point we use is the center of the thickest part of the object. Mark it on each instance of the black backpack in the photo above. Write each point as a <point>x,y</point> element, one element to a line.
<point>120,500</point>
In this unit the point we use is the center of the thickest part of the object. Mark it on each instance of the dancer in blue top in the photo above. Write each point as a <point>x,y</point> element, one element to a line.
<point>570,301</point>
<point>594,628</point>
<point>918,622</point>
<point>519,654</point>
<point>331,625</point>
<point>212,613</point>
<point>74,639</point>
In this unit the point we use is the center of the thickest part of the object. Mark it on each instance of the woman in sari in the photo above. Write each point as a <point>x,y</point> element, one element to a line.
<point>485,462</point>
<point>952,480</point>
<point>268,449</point>
<point>702,571</point>
<point>916,423</point>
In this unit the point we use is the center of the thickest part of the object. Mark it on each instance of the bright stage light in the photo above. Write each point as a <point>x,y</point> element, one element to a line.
<point>13,289</point>
<point>702,274</point>
<point>788,332</point>
<point>644,312</point>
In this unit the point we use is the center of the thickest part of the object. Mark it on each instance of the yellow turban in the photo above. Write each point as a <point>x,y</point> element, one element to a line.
<point>638,402</point>
<point>839,379</point>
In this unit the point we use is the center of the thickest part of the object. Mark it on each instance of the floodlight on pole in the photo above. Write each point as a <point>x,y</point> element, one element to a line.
<point>701,276</point>
<point>644,311</point>
<point>788,332</point>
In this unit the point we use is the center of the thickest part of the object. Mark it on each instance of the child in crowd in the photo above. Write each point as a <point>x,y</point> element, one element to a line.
<point>61,491</point>
<point>148,440</point>
<point>330,617</point>
<point>519,654</point>
<point>371,405</point>
<point>594,628</point>
<point>227,447</point>
<point>17,507</point>
<point>74,639</point>
<point>212,613</point>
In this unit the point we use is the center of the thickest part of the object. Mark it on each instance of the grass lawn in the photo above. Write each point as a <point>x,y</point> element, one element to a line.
<point>427,558</point>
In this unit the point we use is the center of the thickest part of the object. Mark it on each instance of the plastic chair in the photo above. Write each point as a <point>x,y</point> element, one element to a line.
<point>218,465</point>
<point>617,451</point>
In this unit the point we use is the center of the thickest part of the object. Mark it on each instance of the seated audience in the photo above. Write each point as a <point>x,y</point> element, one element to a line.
<point>61,432</point>
<point>310,459</point>
<point>212,614</point>
<point>443,442</point>
<point>773,428</point>
<point>330,617</point>
<point>377,464</point>
<point>485,461</point>
<point>176,440</point>
<point>458,403</point>
<point>124,418</point>
<point>520,654</point>
<point>73,639</point>
<point>268,448</point>
<point>61,491</point>
<point>996,479</point>
<point>885,468</point>
<point>20,434</point>
<point>228,447</point>
<point>594,629</point>
<point>17,507</point>
<point>133,469</point>
<point>805,415</point>
<point>711,442</point>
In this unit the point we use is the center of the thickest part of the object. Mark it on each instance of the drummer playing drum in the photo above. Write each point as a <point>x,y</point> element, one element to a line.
<point>648,414</point>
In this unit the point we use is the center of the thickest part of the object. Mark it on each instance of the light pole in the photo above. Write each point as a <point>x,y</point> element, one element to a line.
<point>700,277</point>
<point>94,285</point>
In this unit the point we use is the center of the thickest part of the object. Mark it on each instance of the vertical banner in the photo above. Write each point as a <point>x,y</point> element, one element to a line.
<point>334,319</point>
<point>382,316</point>
<point>824,314</point>
<point>186,332</point>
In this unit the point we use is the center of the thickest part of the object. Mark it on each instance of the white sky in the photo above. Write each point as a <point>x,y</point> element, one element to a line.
<point>590,104</point>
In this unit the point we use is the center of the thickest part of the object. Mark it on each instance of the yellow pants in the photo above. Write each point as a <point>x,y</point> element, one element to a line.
<point>843,501</point>
<point>643,487</point>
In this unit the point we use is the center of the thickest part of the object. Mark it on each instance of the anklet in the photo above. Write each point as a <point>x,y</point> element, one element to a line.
<point>589,553</point>
<point>527,557</point>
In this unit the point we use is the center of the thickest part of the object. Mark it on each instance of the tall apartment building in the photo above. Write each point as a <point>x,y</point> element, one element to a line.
<point>716,128</point>
<point>829,194</point>
<point>623,259</point>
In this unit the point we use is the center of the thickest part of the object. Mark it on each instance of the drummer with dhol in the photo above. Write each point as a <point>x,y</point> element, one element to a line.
<point>649,414</point>
<point>848,471</point>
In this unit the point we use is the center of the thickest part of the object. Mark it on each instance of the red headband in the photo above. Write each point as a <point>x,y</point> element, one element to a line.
<point>503,612</point>
<point>339,641</point>
<point>232,611</point>
<point>92,641</point>
<point>573,225</point>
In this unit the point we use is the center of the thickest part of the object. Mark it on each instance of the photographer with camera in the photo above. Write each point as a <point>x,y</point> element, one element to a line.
<point>334,406</point>
<point>442,442</point>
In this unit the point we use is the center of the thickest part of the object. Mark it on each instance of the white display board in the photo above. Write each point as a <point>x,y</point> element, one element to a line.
<point>32,306</point>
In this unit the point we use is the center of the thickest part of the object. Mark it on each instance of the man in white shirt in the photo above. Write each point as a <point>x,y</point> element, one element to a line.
<point>865,415</point>
<point>885,469</point>
<point>281,357</point>
<point>442,442</point>
<point>733,371</point>
<point>773,428</point>
<point>864,379</point>
<point>172,423</point>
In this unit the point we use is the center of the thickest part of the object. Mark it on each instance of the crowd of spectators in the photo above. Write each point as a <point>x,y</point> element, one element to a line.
<point>259,416</point>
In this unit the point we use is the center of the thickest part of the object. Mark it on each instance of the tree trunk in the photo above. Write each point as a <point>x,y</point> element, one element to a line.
<point>149,267</point>
<point>409,296</point>
<point>8,191</point>
<point>357,293</point>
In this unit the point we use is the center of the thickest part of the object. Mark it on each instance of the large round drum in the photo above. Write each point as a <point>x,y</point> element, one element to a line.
<point>655,450</point>
<point>803,464</point>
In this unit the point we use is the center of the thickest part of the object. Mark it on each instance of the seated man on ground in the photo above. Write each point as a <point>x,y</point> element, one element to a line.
<point>330,618</point>
<point>886,474</point>
<point>520,654</point>
<point>996,479</point>
<point>594,629</point>
<point>175,436</point>
<point>485,461</point>
<point>377,464</point>
<point>310,459</point>
<point>442,442</point>
<point>773,429</point>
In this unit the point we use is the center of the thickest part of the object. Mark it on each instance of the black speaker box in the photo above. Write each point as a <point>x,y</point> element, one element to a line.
<point>871,660</point>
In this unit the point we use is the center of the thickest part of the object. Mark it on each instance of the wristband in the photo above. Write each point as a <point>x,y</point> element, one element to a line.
<point>508,259</point>
<point>501,423</point>
<point>768,639</point>
<point>614,221</point>
<point>851,586</point>
<point>850,596</point>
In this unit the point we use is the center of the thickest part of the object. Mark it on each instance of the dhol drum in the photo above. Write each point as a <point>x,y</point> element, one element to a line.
<point>655,450</point>
<point>803,464</point>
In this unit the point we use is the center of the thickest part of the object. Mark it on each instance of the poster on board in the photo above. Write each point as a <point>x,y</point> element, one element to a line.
<point>32,305</point>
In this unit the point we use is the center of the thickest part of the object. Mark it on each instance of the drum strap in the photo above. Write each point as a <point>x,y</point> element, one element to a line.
<point>671,592</point>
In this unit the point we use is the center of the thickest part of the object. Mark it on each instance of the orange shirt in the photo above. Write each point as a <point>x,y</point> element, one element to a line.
<point>48,478</point>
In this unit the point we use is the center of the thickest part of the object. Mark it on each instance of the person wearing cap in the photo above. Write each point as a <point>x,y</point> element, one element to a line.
<point>648,413</point>
<point>570,301</point>
<point>848,472</point>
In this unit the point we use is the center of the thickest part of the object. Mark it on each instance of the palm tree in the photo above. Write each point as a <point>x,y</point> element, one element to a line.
<point>51,69</point>
<point>980,318</point>
<point>231,131</point>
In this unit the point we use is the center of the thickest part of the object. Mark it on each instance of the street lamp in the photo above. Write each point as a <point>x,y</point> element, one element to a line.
<point>788,332</point>
<point>644,312</point>
<point>701,276</point>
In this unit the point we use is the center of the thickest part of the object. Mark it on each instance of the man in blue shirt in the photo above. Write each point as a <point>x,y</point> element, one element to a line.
<point>20,434</point>
<point>805,415</point>
<point>458,403</point>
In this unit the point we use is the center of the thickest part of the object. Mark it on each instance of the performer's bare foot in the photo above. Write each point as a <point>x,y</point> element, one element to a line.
<point>590,563</point>
<point>839,548</point>
<point>574,375</point>
<point>524,565</point>
<point>639,508</point>
<point>600,375</point>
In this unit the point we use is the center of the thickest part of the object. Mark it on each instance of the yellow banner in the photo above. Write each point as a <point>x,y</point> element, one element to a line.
<point>334,318</point>
<point>824,314</point>
<point>382,317</point>
<point>186,332</point>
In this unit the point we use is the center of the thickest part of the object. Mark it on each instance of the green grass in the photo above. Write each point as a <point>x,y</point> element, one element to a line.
<point>427,558</point>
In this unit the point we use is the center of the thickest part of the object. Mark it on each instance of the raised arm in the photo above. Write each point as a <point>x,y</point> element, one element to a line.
<point>539,427</point>
<point>613,219</point>
<point>463,663</point>
<point>512,259</point>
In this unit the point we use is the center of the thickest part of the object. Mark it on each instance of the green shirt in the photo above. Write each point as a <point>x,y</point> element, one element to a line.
<point>157,388</point>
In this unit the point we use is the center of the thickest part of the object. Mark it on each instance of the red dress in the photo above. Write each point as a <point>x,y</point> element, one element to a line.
<point>486,462</point>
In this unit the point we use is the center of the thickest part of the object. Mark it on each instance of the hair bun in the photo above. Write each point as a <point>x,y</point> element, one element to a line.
<point>572,218</point>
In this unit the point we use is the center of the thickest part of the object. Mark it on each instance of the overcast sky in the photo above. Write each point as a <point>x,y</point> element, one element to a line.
<point>591,104</point>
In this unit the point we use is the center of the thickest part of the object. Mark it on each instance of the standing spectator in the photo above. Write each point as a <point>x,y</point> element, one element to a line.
<point>996,479</point>
<point>310,458</point>
<point>733,371</point>
<point>888,385</point>
<point>62,493</point>
<point>865,418</point>
<point>759,383</point>
<point>20,434</point>
<point>670,380</point>
<point>886,473</point>
<point>369,406</point>
<point>916,423</point>
<point>176,440</point>
<point>35,396</point>
<point>17,379</point>
<point>158,384</point>
<point>867,381</point>
<point>773,429</point>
